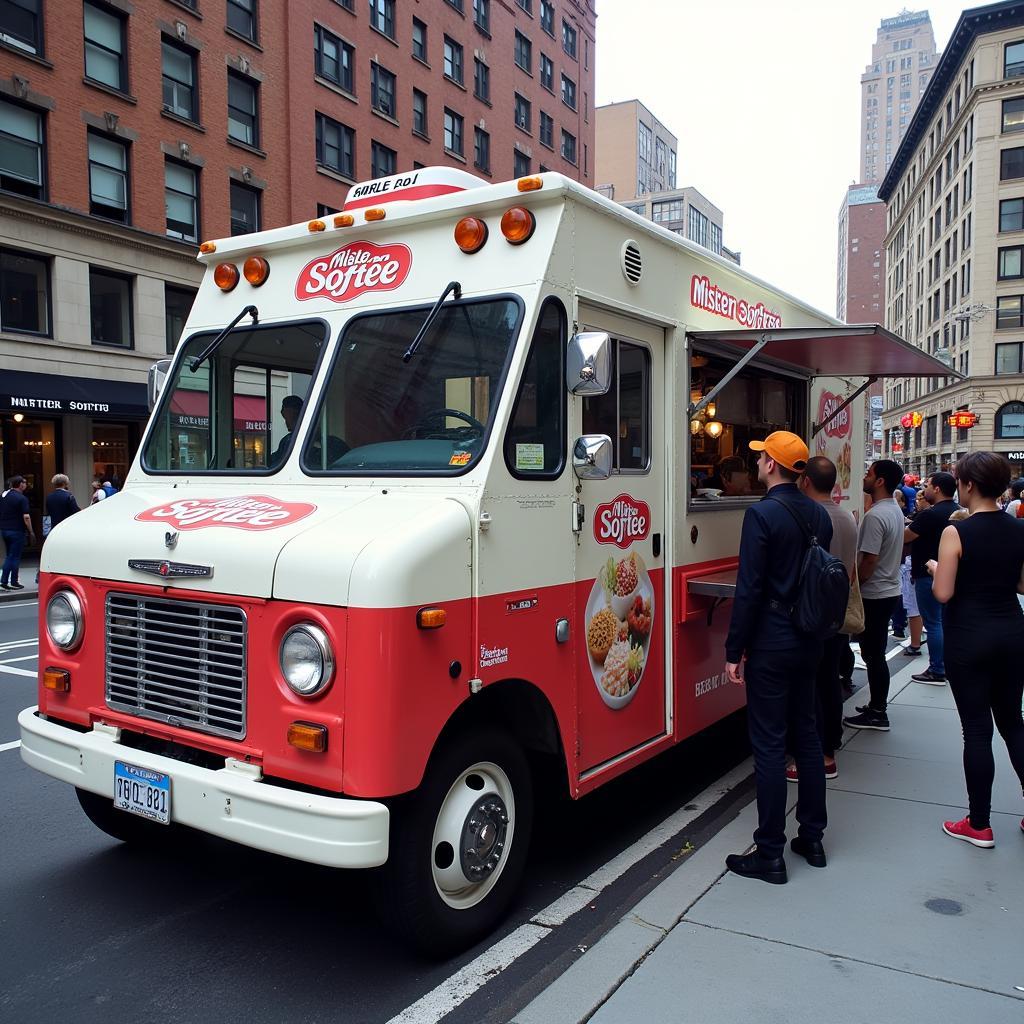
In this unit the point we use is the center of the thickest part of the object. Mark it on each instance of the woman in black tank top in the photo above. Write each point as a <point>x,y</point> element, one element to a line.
<point>978,575</point>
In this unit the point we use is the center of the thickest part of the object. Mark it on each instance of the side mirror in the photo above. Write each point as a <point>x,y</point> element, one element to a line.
<point>156,380</point>
<point>588,363</point>
<point>592,457</point>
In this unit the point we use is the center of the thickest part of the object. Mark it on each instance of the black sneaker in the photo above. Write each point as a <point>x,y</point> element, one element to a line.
<point>868,719</point>
<point>928,676</point>
<point>3,586</point>
<point>16,586</point>
<point>911,651</point>
<point>899,634</point>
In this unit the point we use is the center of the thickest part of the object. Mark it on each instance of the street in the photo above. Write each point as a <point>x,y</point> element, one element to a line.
<point>207,930</point>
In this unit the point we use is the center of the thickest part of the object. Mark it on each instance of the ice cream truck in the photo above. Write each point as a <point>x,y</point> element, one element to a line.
<point>439,502</point>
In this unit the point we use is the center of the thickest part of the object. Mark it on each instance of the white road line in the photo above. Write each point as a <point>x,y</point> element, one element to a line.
<point>18,672</point>
<point>434,1005</point>
<point>9,746</point>
<point>16,604</point>
<point>9,644</point>
<point>24,657</point>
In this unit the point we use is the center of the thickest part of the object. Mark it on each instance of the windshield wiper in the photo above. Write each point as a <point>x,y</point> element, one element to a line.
<point>453,286</point>
<point>196,361</point>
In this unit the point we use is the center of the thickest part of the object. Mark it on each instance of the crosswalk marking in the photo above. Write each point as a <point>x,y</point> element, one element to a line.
<point>10,670</point>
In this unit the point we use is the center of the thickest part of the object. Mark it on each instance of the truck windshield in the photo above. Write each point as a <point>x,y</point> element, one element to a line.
<point>238,412</point>
<point>432,414</point>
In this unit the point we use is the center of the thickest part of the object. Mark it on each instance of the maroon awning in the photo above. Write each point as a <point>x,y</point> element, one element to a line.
<point>859,350</point>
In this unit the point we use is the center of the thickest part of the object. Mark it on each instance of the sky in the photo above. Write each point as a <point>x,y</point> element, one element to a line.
<point>764,98</point>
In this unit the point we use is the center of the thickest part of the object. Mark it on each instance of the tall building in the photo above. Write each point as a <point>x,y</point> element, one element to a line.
<point>264,113</point>
<point>635,153</point>
<point>903,60</point>
<point>860,281</point>
<point>955,248</point>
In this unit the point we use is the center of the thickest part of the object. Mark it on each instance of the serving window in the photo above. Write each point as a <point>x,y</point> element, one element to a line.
<point>754,403</point>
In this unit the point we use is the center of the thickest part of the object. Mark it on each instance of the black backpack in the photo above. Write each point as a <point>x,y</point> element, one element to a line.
<point>822,589</point>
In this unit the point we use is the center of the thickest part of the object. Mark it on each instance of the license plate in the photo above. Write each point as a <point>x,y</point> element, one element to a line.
<point>143,792</point>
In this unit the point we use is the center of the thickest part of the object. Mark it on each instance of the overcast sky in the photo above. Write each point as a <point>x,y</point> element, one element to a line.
<point>765,101</point>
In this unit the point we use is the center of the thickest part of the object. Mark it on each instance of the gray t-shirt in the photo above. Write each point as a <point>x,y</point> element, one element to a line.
<point>881,533</point>
<point>844,534</point>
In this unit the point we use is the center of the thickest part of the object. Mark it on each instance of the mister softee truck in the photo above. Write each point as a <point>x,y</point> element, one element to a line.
<point>439,502</point>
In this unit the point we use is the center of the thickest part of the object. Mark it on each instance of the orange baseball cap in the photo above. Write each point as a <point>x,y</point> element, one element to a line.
<point>785,448</point>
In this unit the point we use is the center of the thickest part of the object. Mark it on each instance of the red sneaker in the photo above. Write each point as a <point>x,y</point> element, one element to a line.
<point>831,769</point>
<point>792,776</point>
<point>831,772</point>
<point>975,836</point>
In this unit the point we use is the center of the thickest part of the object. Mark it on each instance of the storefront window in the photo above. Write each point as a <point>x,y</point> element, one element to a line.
<point>113,448</point>
<point>31,449</point>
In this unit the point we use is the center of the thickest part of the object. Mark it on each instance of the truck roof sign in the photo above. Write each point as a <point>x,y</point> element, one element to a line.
<point>425,183</point>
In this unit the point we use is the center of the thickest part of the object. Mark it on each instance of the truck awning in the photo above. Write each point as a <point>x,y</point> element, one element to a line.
<point>858,350</point>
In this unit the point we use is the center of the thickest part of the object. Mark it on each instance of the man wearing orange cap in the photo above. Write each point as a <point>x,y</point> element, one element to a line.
<point>776,661</point>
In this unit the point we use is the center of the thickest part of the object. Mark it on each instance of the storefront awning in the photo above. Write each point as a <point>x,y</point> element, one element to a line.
<point>192,409</point>
<point>49,394</point>
<point>860,350</point>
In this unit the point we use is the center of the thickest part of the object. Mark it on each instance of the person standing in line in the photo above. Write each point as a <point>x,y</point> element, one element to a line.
<point>817,482</point>
<point>16,528</point>
<point>98,493</point>
<point>108,488</point>
<point>766,652</point>
<point>978,576</point>
<point>900,614</point>
<point>924,532</point>
<point>60,502</point>
<point>909,492</point>
<point>880,552</point>
<point>1016,490</point>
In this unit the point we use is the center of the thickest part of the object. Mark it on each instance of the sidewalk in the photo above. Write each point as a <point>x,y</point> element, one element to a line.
<point>27,576</point>
<point>905,924</point>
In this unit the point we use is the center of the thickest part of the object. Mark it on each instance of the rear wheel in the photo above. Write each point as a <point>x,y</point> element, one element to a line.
<point>129,828</point>
<point>458,846</point>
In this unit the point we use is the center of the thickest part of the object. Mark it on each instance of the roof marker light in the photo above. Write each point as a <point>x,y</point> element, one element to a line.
<point>208,247</point>
<point>530,184</point>
<point>225,277</point>
<point>375,213</point>
<point>344,220</point>
<point>316,225</point>
<point>256,270</point>
<point>517,225</point>
<point>470,234</point>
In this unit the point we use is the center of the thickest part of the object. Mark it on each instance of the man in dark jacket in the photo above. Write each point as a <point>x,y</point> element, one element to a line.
<point>777,662</point>
<point>16,528</point>
<point>60,502</point>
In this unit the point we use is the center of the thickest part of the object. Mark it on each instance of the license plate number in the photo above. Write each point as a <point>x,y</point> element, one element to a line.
<point>143,792</point>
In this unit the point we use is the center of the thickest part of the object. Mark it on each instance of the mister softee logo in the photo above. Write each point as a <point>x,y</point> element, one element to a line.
<point>354,269</point>
<point>248,512</point>
<point>623,521</point>
<point>835,426</point>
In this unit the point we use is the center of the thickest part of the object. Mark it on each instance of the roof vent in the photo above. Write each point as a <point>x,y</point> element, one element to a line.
<point>632,264</point>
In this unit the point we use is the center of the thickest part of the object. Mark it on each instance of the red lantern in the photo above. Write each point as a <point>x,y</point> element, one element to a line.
<point>907,420</point>
<point>963,419</point>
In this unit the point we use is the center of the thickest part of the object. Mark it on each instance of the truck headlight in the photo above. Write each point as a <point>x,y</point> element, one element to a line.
<point>307,661</point>
<point>64,619</point>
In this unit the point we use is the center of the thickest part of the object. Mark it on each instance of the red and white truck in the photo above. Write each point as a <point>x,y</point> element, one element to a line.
<point>439,494</point>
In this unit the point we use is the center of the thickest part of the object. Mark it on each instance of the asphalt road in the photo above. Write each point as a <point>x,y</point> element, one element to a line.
<point>94,931</point>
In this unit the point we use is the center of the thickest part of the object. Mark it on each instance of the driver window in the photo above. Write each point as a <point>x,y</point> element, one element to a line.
<point>624,413</point>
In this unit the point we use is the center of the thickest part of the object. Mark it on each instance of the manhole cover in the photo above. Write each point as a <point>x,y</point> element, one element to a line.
<point>942,906</point>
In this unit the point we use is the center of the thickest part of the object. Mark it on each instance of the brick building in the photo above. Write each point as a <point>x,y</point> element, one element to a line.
<point>262,112</point>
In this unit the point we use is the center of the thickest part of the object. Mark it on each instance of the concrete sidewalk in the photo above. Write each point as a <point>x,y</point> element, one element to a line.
<point>905,923</point>
<point>26,576</point>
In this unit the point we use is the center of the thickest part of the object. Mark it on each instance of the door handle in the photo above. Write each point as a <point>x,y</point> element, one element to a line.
<point>656,545</point>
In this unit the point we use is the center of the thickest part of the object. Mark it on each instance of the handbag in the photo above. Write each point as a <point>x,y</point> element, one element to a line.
<point>853,624</point>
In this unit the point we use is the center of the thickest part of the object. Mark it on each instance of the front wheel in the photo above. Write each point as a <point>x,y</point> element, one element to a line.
<point>458,845</point>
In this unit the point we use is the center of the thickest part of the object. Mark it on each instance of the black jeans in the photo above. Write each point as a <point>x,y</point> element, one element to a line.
<point>877,612</point>
<point>984,674</point>
<point>780,700</point>
<point>829,696</point>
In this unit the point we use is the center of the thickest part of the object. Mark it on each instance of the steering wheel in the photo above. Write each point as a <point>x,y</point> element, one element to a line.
<point>472,423</point>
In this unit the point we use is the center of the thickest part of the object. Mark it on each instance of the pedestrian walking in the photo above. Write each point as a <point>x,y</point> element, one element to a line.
<point>776,661</point>
<point>60,502</point>
<point>924,533</point>
<point>15,528</point>
<point>98,493</point>
<point>879,554</point>
<point>977,576</point>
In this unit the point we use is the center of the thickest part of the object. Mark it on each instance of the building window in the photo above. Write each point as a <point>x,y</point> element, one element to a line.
<point>457,4</point>
<point>547,17</point>
<point>697,225</point>
<point>1010,421</point>
<point>547,130</point>
<point>108,178</point>
<point>482,150</point>
<point>24,293</point>
<point>482,14</point>
<point>481,80</point>
<point>110,308</point>
<point>21,25</point>
<point>419,40</point>
<point>1010,262</point>
<point>946,429</point>
<point>1011,215</point>
<point>177,306</point>
<point>527,5</point>
<point>382,90</point>
<point>452,60</point>
<point>245,209</point>
<point>335,145</point>
<point>667,210</point>
<point>21,150</point>
<point>333,58</point>
<point>569,92</point>
<point>452,131</point>
<point>931,425</point>
<point>179,78</point>
<point>1008,311</point>
<point>1011,164</point>
<point>243,112</point>
<point>181,199</point>
<point>382,16</point>
<point>1013,60</point>
<point>522,113</point>
<point>524,52</point>
<point>568,39</point>
<point>1008,358</point>
<point>716,238</point>
<point>520,164</point>
<point>547,73</point>
<point>1013,114</point>
<point>568,146</point>
<point>242,18</point>
<point>383,161</point>
<point>419,112</point>
<point>105,47</point>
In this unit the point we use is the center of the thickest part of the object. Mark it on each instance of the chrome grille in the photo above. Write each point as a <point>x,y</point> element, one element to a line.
<point>179,662</point>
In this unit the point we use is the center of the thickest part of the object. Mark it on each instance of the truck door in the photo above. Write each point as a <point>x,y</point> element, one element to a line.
<point>622,695</point>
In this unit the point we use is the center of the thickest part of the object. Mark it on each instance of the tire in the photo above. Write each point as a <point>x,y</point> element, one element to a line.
<point>458,845</point>
<point>118,824</point>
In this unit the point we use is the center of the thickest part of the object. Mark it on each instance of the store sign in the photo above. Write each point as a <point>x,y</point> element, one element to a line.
<point>963,420</point>
<point>20,402</point>
<point>911,419</point>
<point>1015,456</point>
<point>706,295</point>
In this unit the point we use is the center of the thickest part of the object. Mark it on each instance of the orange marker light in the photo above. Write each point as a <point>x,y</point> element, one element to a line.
<point>470,234</point>
<point>530,184</point>
<point>57,679</point>
<point>344,220</point>
<point>256,270</point>
<point>517,225</point>
<point>225,277</point>
<point>375,213</point>
<point>431,618</point>
<point>316,225</point>
<point>208,247</point>
<point>306,736</point>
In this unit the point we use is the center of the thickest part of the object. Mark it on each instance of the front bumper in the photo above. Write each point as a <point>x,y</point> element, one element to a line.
<point>232,802</point>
